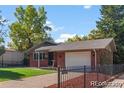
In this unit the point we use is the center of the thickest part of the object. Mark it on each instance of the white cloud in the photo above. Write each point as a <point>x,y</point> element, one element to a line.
<point>64,37</point>
<point>87,6</point>
<point>53,26</point>
<point>48,22</point>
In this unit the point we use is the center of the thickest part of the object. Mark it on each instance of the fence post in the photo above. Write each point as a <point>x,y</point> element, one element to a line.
<point>84,76</point>
<point>58,76</point>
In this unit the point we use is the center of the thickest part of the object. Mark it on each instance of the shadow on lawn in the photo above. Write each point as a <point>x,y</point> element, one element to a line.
<point>9,75</point>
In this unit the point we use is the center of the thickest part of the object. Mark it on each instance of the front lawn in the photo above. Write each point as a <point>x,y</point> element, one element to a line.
<point>18,73</point>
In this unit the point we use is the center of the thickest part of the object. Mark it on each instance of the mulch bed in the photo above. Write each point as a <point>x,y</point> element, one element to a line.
<point>78,82</point>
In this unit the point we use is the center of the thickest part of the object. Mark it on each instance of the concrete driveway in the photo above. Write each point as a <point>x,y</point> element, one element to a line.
<point>31,82</point>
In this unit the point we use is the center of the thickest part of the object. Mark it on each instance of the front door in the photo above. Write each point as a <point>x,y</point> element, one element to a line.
<point>50,58</point>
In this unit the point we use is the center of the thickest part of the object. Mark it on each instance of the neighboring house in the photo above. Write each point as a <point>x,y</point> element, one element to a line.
<point>11,57</point>
<point>33,55</point>
<point>89,52</point>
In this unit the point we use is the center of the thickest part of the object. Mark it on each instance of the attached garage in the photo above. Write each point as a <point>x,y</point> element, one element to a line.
<point>77,58</point>
<point>89,53</point>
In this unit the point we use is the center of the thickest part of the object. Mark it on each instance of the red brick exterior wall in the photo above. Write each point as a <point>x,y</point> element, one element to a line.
<point>98,56</point>
<point>55,59</point>
<point>104,56</point>
<point>60,58</point>
<point>34,63</point>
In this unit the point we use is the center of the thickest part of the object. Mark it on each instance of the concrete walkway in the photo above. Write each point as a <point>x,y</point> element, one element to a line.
<point>117,83</point>
<point>31,82</point>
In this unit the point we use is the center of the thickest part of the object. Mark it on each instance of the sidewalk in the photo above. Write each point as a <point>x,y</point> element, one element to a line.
<point>117,83</point>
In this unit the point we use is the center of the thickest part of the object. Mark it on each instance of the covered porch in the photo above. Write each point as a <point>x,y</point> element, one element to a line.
<point>53,58</point>
<point>45,56</point>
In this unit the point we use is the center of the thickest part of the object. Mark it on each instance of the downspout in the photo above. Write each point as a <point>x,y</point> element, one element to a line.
<point>95,57</point>
<point>38,60</point>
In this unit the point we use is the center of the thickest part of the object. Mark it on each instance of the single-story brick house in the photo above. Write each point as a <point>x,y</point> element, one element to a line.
<point>89,52</point>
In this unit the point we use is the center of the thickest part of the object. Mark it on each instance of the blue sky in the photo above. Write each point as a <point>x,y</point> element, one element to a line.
<point>66,21</point>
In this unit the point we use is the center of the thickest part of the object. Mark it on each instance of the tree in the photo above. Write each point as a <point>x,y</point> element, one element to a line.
<point>76,38</point>
<point>111,20</point>
<point>2,30</point>
<point>95,34</point>
<point>29,29</point>
<point>2,34</point>
<point>111,24</point>
<point>2,50</point>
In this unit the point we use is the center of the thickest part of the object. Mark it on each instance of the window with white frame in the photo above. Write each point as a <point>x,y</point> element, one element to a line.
<point>42,56</point>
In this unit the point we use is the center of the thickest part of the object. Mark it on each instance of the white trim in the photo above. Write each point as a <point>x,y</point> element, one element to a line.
<point>38,55</point>
<point>35,53</point>
<point>38,60</point>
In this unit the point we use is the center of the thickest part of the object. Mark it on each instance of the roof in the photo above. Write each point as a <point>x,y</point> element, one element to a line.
<point>81,45</point>
<point>44,43</point>
<point>10,49</point>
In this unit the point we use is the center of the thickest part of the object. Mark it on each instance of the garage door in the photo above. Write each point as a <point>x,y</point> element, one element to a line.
<point>77,58</point>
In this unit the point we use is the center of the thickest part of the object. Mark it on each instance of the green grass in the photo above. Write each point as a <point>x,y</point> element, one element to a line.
<point>18,73</point>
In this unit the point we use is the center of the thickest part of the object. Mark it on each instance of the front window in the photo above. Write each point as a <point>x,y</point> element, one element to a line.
<point>35,56</point>
<point>42,56</point>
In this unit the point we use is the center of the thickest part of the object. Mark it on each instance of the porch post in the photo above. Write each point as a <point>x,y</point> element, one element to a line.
<point>38,60</point>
